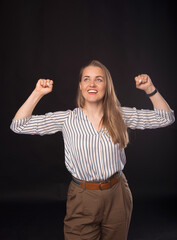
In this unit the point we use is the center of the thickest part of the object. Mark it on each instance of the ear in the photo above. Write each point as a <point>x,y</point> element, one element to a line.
<point>80,86</point>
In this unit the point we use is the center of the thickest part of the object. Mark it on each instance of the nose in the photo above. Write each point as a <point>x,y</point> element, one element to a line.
<point>92,83</point>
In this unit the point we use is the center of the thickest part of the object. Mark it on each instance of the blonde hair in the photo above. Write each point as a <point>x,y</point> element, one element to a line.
<point>112,117</point>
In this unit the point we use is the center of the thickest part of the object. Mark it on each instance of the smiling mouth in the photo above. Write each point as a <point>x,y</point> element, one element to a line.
<point>92,91</point>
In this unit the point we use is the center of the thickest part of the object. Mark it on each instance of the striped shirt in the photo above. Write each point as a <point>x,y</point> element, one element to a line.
<point>90,154</point>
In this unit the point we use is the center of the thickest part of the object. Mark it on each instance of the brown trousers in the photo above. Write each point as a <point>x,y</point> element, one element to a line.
<point>98,214</point>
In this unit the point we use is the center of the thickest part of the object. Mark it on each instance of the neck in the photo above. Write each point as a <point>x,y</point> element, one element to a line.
<point>93,110</point>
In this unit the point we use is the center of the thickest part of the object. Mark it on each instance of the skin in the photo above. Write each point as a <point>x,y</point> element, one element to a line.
<point>143,82</point>
<point>93,102</point>
<point>93,79</point>
<point>43,87</point>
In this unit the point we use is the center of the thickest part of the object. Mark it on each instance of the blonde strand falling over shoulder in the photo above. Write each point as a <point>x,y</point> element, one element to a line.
<point>112,118</point>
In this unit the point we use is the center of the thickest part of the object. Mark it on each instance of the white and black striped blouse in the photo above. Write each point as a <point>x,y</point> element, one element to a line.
<point>90,154</point>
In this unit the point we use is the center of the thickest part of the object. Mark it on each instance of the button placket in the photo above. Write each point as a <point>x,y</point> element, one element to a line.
<point>100,149</point>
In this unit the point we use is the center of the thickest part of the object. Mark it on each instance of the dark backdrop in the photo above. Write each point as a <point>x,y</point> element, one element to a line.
<point>53,39</point>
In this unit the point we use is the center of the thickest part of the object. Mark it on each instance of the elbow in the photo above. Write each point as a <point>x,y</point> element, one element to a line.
<point>168,118</point>
<point>172,119</point>
<point>14,129</point>
<point>168,122</point>
<point>18,125</point>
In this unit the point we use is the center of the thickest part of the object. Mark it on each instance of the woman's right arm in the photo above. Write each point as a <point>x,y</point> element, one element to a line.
<point>26,123</point>
<point>43,87</point>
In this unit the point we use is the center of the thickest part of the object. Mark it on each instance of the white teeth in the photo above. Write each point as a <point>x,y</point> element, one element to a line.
<point>92,91</point>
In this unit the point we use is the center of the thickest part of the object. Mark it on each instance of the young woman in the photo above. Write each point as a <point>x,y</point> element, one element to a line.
<point>99,203</point>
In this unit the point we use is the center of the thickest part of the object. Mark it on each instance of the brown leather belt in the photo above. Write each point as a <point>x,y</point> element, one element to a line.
<point>98,185</point>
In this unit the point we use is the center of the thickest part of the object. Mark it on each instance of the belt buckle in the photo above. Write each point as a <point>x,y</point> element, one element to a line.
<point>107,181</point>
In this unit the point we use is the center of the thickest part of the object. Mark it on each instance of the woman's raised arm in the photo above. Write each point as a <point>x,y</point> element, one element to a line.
<point>144,82</point>
<point>43,87</point>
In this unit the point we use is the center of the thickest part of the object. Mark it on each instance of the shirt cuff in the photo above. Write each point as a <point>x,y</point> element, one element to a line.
<point>19,122</point>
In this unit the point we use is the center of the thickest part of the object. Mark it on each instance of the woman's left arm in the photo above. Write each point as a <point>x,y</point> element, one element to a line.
<point>161,116</point>
<point>144,82</point>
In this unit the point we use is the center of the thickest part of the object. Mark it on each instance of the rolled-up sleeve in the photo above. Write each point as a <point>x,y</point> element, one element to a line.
<point>144,119</point>
<point>48,123</point>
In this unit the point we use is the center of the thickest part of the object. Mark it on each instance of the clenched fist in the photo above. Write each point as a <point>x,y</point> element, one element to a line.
<point>44,86</point>
<point>144,82</point>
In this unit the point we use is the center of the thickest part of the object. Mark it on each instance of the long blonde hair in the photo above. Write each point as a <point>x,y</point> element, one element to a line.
<point>112,117</point>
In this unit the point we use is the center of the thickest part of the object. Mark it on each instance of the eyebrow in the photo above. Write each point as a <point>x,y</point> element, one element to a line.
<point>96,76</point>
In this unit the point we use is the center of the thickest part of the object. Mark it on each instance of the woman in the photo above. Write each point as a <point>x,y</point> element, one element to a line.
<point>99,203</point>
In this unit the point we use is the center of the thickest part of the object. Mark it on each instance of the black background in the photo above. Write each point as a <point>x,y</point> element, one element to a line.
<point>54,39</point>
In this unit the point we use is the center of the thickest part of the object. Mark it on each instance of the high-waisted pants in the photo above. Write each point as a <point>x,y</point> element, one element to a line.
<point>98,214</point>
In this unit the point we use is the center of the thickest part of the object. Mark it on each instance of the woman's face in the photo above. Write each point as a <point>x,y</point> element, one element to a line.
<point>93,84</point>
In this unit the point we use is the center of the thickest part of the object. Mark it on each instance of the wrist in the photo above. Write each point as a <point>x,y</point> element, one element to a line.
<point>150,89</point>
<point>152,93</point>
<point>37,94</point>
